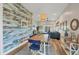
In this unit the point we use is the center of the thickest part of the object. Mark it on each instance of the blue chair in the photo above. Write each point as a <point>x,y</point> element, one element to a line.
<point>35,45</point>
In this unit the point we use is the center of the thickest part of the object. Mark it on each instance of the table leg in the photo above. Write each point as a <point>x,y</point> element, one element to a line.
<point>44,48</point>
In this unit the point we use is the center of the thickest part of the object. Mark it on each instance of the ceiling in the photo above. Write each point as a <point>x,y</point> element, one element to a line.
<point>53,10</point>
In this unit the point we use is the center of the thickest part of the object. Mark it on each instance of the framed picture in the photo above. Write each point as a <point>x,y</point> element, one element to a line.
<point>74,24</point>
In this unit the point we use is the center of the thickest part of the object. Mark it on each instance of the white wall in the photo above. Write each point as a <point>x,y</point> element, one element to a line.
<point>1,29</point>
<point>71,12</point>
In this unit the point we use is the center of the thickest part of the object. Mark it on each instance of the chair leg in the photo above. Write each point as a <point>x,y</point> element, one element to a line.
<point>34,52</point>
<point>45,48</point>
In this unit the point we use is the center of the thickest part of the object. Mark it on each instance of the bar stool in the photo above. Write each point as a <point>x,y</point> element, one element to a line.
<point>34,46</point>
<point>45,44</point>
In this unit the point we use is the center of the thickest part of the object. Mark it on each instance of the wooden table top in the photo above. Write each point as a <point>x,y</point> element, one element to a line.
<point>39,37</point>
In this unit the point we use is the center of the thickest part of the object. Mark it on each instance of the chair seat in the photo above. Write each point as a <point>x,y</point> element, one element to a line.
<point>34,47</point>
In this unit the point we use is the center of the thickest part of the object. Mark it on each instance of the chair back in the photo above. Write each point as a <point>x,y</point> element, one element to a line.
<point>34,42</point>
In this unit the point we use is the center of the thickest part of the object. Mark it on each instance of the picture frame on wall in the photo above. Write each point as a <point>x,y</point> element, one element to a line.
<point>74,25</point>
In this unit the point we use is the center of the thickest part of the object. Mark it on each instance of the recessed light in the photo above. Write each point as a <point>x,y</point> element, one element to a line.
<point>54,14</point>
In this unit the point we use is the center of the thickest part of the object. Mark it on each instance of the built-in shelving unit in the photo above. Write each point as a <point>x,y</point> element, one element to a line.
<point>17,26</point>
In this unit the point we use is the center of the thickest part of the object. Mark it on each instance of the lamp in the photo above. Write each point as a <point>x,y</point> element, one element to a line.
<point>43,16</point>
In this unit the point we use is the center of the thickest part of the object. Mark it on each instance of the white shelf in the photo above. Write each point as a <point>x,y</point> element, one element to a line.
<point>15,47</point>
<point>19,12</point>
